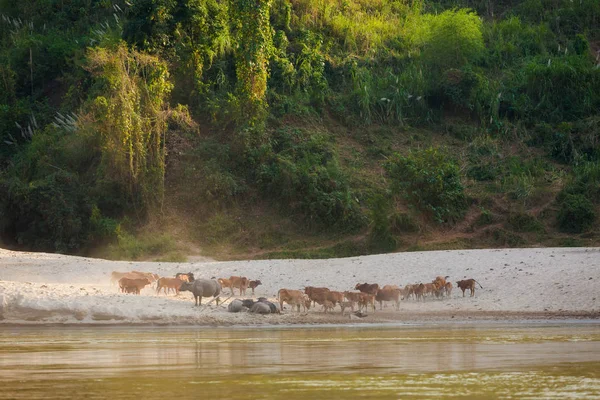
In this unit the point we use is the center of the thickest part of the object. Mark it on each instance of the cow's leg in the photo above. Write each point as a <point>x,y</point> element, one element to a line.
<point>463,292</point>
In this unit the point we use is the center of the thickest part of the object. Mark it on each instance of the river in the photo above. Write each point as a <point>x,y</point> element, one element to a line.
<point>518,360</point>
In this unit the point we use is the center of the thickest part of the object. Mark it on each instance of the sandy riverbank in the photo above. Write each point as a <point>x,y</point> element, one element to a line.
<point>551,283</point>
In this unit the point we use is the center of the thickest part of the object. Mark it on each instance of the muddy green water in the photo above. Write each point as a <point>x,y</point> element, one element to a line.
<point>520,361</point>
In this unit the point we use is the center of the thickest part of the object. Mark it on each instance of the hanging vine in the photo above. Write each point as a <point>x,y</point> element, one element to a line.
<point>130,116</point>
<point>254,38</point>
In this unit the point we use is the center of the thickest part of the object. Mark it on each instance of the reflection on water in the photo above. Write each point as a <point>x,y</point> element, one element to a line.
<point>372,362</point>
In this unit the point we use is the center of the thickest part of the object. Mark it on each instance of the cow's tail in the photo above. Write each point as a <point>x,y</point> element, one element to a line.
<point>279,291</point>
<point>478,284</point>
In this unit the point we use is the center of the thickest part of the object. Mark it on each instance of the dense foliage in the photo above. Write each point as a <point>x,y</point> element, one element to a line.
<point>92,93</point>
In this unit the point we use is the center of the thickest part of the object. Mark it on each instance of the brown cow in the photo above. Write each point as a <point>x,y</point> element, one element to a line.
<point>347,304</point>
<point>429,289</point>
<point>240,282</point>
<point>335,297</point>
<point>328,305</point>
<point>409,290</point>
<point>352,296</point>
<point>115,276</point>
<point>468,284</point>
<point>293,298</point>
<point>387,287</point>
<point>388,295</point>
<point>166,284</point>
<point>440,279</point>
<point>129,284</point>
<point>448,288</point>
<point>225,283</point>
<point>317,294</point>
<point>151,277</point>
<point>367,288</point>
<point>364,300</point>
<point>253,284</point>
<point>419,290</point>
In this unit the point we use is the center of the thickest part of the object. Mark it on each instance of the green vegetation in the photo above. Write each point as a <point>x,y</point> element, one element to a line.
<point>302,129</point>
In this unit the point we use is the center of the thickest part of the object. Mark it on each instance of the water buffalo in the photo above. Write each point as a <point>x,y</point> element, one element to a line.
<point>260,308</point>
<point>235,306</point>
<point>202,288</point>
<point>272,306</point>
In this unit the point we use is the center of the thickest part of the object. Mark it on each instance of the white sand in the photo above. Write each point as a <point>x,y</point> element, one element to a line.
<point>40,288</point>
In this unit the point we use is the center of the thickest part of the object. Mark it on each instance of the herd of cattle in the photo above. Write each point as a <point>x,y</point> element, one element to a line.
<point>365,295</point>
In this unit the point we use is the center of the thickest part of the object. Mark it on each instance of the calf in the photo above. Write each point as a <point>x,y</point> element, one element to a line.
<point>419,290</point>
<point>448,288</point>
<point>408,291</point>
<point>224,282</point>
<point>253,284</point>
<point>347,304</point>
<point>365,300</point>
<point>166,284</point>
<point>294,298</point>
<point>328,305</point>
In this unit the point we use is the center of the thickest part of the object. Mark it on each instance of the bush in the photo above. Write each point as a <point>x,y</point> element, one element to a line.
<point>553,90</point>
<point>430,181</point>
<point>453,39</point>
<point>404,223</point>
<point>576,214</point>
<point>510,40</point>
<point>522,222</point>
<point>483,172</point>
<point>302,170</point>
<point>381,237</point>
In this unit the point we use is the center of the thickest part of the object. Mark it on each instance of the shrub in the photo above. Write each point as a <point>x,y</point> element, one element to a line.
<point>576,214</point>
<point>554,90</point>
<point>453,39</point>
<point>485,218</point>
<point>302,170</point>
<point>510,40</point>
<point>381,237</point>
<point>506,238</point>
<point>522,222</point>
<point>483,172</point>
<point>430,180</point>
<point>404,223</point>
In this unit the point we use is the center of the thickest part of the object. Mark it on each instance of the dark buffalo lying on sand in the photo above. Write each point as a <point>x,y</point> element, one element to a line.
<point>260,308</point>
<point>202,288</point>
<point>235,306</point>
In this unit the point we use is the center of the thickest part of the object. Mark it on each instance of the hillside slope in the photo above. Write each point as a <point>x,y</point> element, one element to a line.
<point>167,129</point>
